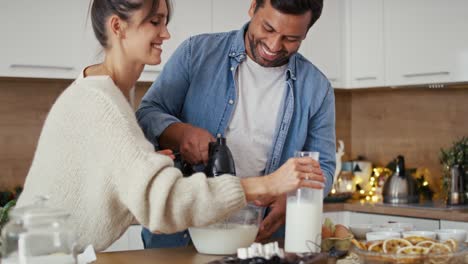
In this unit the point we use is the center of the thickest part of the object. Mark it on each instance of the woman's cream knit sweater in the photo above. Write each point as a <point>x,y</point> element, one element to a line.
<point>93,160</point>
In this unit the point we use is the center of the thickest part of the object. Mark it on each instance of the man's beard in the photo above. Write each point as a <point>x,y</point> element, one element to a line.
<point>279,61</point>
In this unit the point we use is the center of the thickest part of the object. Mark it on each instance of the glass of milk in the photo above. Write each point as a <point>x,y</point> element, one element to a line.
<point>304,216</point>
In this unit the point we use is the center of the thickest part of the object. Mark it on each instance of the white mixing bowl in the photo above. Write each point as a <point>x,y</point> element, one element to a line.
<point>224,238</point>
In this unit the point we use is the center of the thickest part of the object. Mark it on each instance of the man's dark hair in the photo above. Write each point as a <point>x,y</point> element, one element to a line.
<point>295,7</point>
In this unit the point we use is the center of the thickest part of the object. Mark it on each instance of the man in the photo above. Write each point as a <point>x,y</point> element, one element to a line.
<point>252,87</point>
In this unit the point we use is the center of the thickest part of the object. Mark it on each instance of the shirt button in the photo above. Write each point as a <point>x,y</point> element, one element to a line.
<point>218,135</point>
<point>232,68</point>
<point>231,101</point>
<point>241,56</point>
<point>185,235</point>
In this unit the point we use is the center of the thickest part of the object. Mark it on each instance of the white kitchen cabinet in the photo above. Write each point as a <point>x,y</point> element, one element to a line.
<point>425,41</point>
<point>444,224</point>
<point>41,38</point>
<point>230,15</point>
<point>364,53</point>
<point>419,223</point>
<point>323,45</point>
<point>341,217</point>
<point>130,240</point>
<point>189,18</point>
<point>91,51</point>
<point>196,17</point>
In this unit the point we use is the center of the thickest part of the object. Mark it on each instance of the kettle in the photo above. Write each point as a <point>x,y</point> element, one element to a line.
<point>240,228</point>
<point>400,188</point>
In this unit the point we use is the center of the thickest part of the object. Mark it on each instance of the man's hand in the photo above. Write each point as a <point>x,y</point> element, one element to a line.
<point>274,220</point>
<point>194,145</point>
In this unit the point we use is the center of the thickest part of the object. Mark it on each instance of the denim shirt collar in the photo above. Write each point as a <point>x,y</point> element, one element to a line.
<point>238,52</point>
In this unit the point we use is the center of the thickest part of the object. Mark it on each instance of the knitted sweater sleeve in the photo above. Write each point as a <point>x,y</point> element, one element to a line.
<point>150,187</point>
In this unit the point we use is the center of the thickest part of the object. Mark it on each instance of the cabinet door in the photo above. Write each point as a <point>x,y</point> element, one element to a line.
<point>323,45</point>
<point>419,223</point>
<point>230,15</point>
<point>426,41</point>
<point>91,51</point>
<point>40,38</point>
<point>188,18</point>
<point>337,217</point>
<point>366,52</point>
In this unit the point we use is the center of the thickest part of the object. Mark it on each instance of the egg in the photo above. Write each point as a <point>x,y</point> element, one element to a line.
<point>341,231</point>
<point>326,232</point>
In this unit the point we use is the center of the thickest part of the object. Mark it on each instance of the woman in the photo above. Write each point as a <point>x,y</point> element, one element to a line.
<point>93,160</point>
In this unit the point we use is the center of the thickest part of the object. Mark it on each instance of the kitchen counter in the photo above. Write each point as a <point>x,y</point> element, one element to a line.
<point>186,255</point>
<point>429,211</point>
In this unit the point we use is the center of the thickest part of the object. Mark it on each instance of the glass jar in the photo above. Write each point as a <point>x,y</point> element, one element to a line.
<point>38,234</point>
<point>345,182</point>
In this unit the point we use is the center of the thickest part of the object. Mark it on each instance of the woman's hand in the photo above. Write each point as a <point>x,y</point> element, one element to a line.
<point>167,152</point>
<point>294,174</point>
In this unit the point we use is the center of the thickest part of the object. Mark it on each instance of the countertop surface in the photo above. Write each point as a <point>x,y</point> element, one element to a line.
<point>423,210</point>
<point>185,255</point>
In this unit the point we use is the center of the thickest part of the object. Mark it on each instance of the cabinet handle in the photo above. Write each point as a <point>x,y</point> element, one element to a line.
<point>423,74</point>
<point>34,66</point>
<point>367,78</point>
<point>333,79</point>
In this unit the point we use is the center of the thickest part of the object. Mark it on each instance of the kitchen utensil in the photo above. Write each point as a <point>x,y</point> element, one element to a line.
<point>224,238</point>
<point>238,230</point>
<point>400,188</point>
<point>457,185</point>
<point>220,160</point>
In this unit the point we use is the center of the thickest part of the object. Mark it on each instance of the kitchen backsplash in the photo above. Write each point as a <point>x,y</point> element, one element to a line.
<point>376,123</point>
<point>414,122</point>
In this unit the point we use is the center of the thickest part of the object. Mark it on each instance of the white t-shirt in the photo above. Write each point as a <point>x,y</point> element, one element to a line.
<point>252,128</point>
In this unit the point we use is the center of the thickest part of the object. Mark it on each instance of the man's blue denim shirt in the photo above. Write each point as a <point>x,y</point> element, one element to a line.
<point>197,86</point>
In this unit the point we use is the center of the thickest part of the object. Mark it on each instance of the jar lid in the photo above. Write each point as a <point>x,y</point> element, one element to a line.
<point>38,212</point>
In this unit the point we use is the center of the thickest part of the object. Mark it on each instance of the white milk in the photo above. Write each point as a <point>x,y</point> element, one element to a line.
<point>223,239</point>
<point>303,223</point>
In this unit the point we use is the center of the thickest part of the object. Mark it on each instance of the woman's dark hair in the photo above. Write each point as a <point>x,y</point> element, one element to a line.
<point>295,7</point>
<point>103,9</point>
